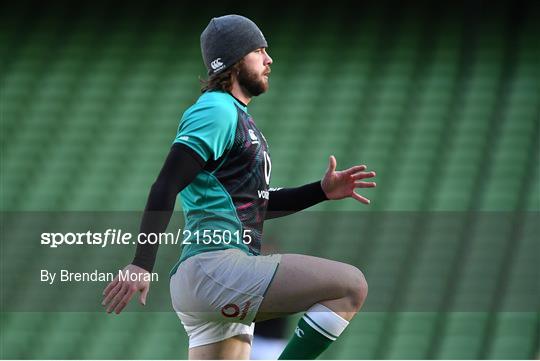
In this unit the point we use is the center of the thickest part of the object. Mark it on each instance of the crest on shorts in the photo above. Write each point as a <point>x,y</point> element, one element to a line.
<point>230,310</point>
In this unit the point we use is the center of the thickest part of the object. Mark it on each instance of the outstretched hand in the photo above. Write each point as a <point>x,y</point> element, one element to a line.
<point>119,292</point>
<point>342,184</point>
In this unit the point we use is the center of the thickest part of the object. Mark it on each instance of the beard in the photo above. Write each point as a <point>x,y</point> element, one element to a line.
<point>252,83</point>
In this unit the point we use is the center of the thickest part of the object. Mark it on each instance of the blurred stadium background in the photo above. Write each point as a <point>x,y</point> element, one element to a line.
<point>442,99</point>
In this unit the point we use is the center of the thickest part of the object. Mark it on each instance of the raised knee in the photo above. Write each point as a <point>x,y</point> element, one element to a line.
<point>358,289</point>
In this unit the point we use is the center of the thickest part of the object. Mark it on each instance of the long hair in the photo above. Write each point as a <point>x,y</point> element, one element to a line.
<point>222,81</point>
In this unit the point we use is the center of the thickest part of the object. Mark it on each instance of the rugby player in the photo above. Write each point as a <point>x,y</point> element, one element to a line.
<point>220,165</point>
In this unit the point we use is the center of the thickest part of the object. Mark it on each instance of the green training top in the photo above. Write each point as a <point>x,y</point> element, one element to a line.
<point>225,205</point>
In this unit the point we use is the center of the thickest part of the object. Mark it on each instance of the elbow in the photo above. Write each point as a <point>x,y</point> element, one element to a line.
<point>163,190</point>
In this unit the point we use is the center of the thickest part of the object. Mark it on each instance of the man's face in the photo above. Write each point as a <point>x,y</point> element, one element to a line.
<point>254,72</point>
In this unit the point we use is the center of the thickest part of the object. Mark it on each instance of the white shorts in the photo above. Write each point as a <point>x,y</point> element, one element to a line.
<point>217,294</point>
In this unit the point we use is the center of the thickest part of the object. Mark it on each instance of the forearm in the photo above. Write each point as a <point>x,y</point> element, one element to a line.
<point>180,168</point>
<point>286,201</point>
<point>156,217</point>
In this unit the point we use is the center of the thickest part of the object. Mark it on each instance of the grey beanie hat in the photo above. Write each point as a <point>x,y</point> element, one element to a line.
<point>227,39</point>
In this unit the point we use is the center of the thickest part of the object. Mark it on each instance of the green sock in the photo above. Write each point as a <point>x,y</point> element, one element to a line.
<point>316,330</point>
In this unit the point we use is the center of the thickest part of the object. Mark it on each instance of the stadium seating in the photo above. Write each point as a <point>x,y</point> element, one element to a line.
<point>445,109</point>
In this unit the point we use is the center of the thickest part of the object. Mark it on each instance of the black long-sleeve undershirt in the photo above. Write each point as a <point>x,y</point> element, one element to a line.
<point>180,168</point>
<point>285,201</point>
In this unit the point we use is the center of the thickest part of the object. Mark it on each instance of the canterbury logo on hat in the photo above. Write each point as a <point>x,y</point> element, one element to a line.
<point>216,64</point>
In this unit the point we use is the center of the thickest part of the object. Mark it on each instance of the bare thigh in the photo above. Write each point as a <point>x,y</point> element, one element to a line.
<point>301,281</point>
<point>233,348</point>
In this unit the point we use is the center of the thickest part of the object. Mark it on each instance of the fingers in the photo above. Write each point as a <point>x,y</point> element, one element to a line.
<point>125,300</point>
<point>332,163</point>
<point>364,184</point>
<point>117,298</point>
<point>355,169</point>
<point>359,198</point>
<point>118,293</point>
<point>111,292</point>
<point>363,175</point>
<point>142,297</point>
<point>110,286</point>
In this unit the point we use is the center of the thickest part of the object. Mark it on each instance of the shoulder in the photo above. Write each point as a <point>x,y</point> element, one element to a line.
<point>213,107</point>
